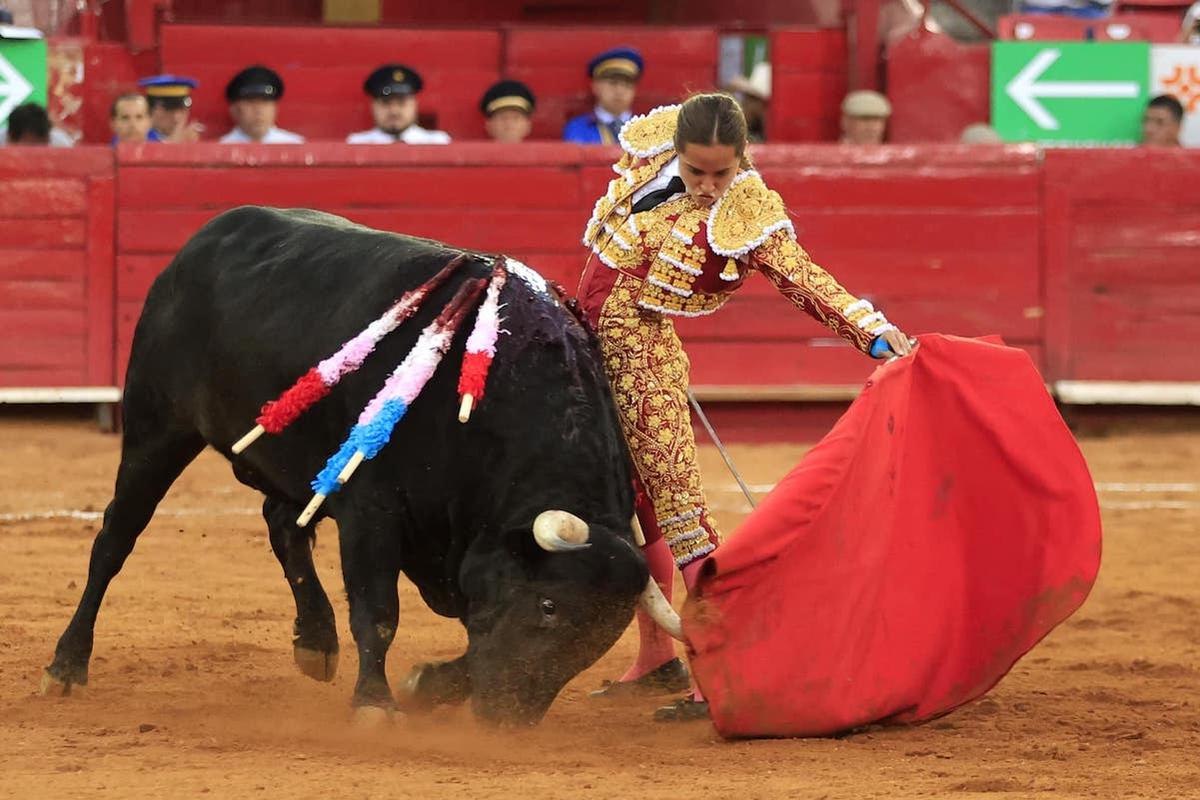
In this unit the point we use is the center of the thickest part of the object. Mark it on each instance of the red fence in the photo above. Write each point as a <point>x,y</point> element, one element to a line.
<point>56,267</point>
<point>1085,258</point>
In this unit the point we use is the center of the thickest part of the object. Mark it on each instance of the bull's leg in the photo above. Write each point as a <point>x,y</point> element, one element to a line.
<point>370,569</point>
<point>437,684</point>
<point>151,460</point>
<point>315,647</point>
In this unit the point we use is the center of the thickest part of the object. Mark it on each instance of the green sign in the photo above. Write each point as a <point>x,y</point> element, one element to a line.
<point>1070,93</point>
<point>22,73</point>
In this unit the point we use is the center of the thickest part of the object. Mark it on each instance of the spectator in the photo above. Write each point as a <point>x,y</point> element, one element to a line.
<point>754,94</point>
<point>865,117</point>
<point>508,106</point>
<point>170,100</point>
<point>980,133</point>
<point>129,118</point>
<point>614,75</point>
<point>29,124</point>
<point>1189,31</point>
<point>393,89</point>
<point>1162,121</point>
<point>254,95</point>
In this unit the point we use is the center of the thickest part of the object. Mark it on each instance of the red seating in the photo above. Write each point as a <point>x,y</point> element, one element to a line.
<point>323,73</point>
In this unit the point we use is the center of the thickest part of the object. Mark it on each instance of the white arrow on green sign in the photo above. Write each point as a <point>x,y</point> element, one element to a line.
<point>22,74</point>
<point>1087,93</point>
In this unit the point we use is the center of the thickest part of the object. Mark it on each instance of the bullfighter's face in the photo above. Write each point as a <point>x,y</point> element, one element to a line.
<point>537,619</point>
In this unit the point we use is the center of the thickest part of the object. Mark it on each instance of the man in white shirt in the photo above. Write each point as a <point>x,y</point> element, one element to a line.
<point>393,89</point>
<point>253,96</point>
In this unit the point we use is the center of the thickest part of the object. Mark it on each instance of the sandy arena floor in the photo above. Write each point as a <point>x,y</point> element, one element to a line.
<point>193,691</point>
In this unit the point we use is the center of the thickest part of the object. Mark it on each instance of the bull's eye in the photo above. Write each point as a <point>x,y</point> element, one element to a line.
<point>548,608</point>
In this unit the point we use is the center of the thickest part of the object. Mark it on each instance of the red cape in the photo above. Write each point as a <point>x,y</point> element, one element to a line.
<point>943,527</point>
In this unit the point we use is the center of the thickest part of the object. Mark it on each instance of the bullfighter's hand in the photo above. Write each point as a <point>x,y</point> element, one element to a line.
<point>899,342</point>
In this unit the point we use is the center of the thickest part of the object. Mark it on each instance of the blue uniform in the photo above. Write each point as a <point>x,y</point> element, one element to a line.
<point>586,129</point>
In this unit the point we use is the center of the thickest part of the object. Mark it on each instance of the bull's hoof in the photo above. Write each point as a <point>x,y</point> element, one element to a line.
<point>430,685</point>
<point>373,717</point>
<point>52,686</point>
<point>316,664</point>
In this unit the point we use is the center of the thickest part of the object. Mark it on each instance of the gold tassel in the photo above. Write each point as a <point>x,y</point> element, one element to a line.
<point>730,273</point>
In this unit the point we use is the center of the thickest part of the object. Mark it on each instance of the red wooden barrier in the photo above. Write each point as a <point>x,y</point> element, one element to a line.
<point>944,240</point>
<point>56,267</point>
<point>1084,258</point>
<point>1122,267</point>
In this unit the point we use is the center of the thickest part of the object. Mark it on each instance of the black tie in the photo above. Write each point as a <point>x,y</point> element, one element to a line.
<point>659,196</point>
<point>614,128</point>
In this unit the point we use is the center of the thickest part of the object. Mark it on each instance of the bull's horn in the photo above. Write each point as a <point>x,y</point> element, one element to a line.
<point>660,610</point>
<point>560,531</point>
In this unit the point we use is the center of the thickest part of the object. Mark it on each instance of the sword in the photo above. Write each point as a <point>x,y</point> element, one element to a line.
<point>712,434</point>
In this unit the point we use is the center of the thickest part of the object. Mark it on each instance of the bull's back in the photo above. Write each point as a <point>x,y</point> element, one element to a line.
<point>258,296</point>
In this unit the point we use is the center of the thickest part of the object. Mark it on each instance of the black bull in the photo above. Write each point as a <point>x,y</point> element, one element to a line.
<point>256,298</point>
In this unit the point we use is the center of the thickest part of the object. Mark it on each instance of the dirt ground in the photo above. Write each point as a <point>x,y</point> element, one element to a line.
<point>193,691</point>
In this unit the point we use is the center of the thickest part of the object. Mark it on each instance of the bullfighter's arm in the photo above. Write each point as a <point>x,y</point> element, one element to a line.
<point>812,289</point>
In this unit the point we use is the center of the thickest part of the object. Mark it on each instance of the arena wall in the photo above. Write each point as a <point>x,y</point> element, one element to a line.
<point>1084,258</point>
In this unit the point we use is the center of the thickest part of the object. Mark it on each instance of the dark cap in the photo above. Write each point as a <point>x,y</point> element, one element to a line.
<point>256,81</point>
<point>507,94</point>
<point>393,80</point>
<point>619,62</point>
<point>170,91</point>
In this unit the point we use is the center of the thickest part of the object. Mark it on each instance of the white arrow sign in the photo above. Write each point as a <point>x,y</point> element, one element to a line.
<point>1025,90</point>
<point>13,88</point>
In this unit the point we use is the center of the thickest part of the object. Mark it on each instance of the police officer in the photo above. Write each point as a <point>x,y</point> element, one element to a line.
<point>253,96</point>
<point>170,99</point>
<point>614,75</point>
<point>508,106</point>
<point>393,89</point>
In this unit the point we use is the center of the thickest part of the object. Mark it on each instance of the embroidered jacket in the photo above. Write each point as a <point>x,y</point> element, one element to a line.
<point>690,259</point>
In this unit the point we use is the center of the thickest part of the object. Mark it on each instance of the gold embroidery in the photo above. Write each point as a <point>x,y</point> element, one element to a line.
<point>649,373</point>
<point>811,288</point>
<point>745,215</point>
<point>652,133</point>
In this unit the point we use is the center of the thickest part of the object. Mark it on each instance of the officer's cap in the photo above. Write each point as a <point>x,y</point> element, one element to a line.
<point>256,81</point>
<point>393,80</point>
<point>865,103</point>
<point>507,94</point>
<point>172,91</point>
<point>619,62</point>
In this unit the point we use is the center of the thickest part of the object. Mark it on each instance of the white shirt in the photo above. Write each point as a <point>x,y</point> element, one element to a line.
<point>274,136</point>
<point>660,181</point>
<point>413,134</point>
<point>606,117</point>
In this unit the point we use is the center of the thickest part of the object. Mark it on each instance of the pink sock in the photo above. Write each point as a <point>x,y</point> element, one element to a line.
<point>655,646</point>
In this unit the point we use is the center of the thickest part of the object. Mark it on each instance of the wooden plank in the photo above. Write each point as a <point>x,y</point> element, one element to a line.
<point>891,190</point>
<point>63,232</point>
<point>42,197</point>
<point>20,163</point>
<point>32,294</point>
<point>164,232</point>
<point>22,322</point>
<point>364,187</point>
<point>55,265</point>
<point>21,379</point>
<point>101,280</point>
<point>915,230</point>
<point>42,352</point>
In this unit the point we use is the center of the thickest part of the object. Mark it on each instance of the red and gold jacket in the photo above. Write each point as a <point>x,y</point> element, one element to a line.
<point>689,259</point>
